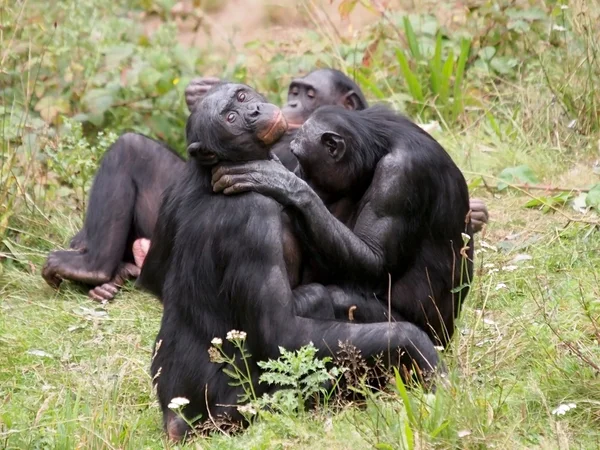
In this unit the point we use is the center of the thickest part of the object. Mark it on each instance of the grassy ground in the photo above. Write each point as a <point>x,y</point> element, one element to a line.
<point>74,374</point>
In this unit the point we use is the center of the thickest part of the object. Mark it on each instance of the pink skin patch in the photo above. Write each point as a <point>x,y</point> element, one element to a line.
<point>140,250</point>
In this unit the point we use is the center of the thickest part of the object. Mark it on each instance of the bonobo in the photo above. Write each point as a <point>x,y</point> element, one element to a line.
<point>136,170</point>
<point>381,206</point>
<point>221,265</point>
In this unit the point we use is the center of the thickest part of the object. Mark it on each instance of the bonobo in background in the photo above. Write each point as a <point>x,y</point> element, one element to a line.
<point>221,263</point>
<point>136,170</point>
<point>381,206</point>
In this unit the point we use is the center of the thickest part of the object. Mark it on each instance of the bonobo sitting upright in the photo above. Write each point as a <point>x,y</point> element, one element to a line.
<point>136,170</point>
<point>221,264</point>
<point>381,208</point>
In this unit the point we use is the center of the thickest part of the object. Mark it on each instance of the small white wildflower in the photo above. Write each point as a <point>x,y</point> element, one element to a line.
<point>217,341</point>
<point>465,237</point>
<point>563,7</point>
<point>509,268</point>
<point>558,28</point>
<point>235,334</point>
<point>246,409</point>
<point>489,265</point>
<point>494,270</point>
<point>486,245</point>
<point>500,286</point>
<point>178,402</point>
<point>563,408</point>
<point>572,123</point>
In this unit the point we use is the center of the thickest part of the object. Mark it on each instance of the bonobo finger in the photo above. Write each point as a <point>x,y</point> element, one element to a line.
<point>228,181</point>
<point>103,293</point>
<point>202,83</point>
<point>239,188</point>
<point>232,169</point>
<point>478,205</point>
<point>273,157</point>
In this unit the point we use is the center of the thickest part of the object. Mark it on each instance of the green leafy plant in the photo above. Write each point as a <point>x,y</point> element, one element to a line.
<point>301,376</point>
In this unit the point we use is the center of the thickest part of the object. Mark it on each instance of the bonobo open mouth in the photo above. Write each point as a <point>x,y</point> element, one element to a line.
<point>278,127</point>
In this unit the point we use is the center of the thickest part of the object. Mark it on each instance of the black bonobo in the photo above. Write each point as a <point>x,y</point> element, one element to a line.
<point>381,208</point>
<point>136,170</point>
<point>219,263</point>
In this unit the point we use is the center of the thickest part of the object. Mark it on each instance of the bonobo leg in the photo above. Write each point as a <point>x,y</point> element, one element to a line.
<point>333,302</point>
<point>123,206</point>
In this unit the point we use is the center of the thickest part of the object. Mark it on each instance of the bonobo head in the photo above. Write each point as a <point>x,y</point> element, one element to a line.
<point>338,150</point>
<point>318,88</point>
<point>233,123</point>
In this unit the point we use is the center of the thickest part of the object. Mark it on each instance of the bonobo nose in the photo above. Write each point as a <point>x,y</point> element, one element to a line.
<point>256,111</point>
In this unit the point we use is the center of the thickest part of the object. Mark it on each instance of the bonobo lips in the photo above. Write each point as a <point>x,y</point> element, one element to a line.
<point>293,126</point>
<point>275,131</point>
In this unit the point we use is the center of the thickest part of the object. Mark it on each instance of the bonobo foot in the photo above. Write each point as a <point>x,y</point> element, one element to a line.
<point>107,291</point>
<point>140,250</point>
<point>71,265</point>
<point>176,427</point>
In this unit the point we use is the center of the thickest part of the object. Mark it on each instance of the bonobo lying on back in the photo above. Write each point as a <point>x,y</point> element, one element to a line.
<point>219,264</point>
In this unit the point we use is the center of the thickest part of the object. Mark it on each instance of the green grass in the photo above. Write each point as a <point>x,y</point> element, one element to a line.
<point>74,374</point>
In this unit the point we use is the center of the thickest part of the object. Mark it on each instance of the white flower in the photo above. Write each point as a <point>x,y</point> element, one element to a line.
<point>510,268</point>
<point>178,402</point>
<point>235,334</point>
<point>489,265</point>
<point>563,7</point>
<point>486,245</point>
<point>217,341</point>
<point>563,408</point>
<point>500,286</point>
<point>246,409</point>
<point>465,237</point>
<point>558,28</point>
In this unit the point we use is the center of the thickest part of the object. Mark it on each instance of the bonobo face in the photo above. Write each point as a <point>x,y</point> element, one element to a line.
<point>233,123</point>
<point>321,149</point>
<point>306,94</point>
<point>319,88</point>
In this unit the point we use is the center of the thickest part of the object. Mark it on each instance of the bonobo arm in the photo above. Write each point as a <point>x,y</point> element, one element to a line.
<point>380,230</point>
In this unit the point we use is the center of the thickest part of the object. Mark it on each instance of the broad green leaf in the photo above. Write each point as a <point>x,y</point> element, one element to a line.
<point>98,101</point>
<point>504,65</point>
<point>487,53</point>
<point>592,198</point>
<point>519,174</point>
<point>115,55</point>
<point>49,107</point>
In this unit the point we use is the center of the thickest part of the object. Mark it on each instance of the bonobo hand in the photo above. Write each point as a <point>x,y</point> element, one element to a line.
<point>197,89</point>
<point>268,178</point>
<point>479,214</point>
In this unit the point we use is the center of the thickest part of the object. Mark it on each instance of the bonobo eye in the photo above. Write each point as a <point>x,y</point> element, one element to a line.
<point>310,93</point>
<point>241,96</point>
<point>294,90</point>
<point>231,117</point>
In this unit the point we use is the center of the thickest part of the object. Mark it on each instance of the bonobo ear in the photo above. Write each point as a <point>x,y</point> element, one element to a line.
<point>352,101</point>
<point>334,144</point>
<point>202,155</point>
